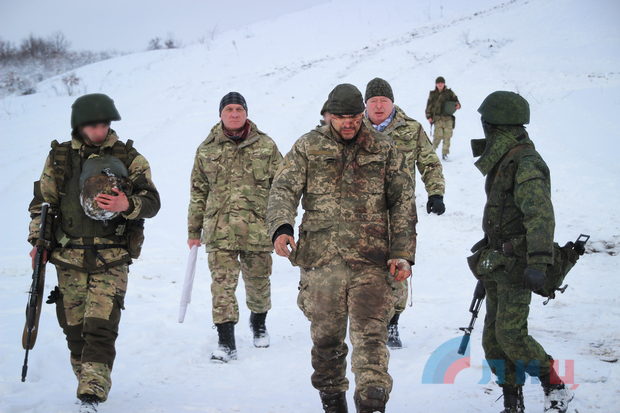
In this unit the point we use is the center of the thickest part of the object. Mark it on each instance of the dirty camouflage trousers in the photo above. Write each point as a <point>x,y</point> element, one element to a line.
<point>329,297</point>
<point>505,339</point>
<point>89,312</point>
<point>255,267</point>
<point>442,130</point>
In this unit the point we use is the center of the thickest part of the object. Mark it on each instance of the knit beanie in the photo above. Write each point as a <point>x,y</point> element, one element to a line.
<point>378,87</point>
<point>233,98</point>
<point>440,79</point>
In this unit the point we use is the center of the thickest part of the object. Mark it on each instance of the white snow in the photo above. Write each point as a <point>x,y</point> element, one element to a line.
<point>561,55</point>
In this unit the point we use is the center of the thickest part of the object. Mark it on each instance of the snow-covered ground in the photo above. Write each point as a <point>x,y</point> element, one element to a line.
<point>561,55</point>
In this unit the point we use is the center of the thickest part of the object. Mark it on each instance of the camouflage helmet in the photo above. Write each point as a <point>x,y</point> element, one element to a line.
<point>505,108</point>
<point>93,108</point>
<point>100,174</point>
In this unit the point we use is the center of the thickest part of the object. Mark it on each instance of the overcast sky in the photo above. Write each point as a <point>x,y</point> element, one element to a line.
<point>128,25</point>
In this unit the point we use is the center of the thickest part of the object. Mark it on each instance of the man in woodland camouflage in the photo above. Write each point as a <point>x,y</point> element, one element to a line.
<point>92,254</point>
<point>350,177</point>
<point>511,260</point>
<point>440,108</point>
<point>230,182</point>
<point>411,140</point>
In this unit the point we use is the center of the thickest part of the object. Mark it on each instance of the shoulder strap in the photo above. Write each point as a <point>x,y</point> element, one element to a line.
<point>61,157</point>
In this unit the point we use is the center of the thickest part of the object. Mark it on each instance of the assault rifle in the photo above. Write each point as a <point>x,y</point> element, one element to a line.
<point>474,308</point>
<point>35,296</point>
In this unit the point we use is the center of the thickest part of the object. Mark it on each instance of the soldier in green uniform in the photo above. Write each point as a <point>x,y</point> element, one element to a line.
<point>440,108</point>
<point>230,182</point>
<point>411,140</point>
<point>90,251</point>
<point>511,260</point>
<point>349,177</point>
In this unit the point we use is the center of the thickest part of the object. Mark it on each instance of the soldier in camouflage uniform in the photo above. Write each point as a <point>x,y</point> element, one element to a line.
<point>436,114</point>
<point>511,260</point>
<point>410,138</point>
<point>350,177</point>
<point>230,182</point>
<point>91,256</point>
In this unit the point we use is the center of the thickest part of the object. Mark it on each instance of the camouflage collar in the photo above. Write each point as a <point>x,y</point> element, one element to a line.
<point>399,119</point>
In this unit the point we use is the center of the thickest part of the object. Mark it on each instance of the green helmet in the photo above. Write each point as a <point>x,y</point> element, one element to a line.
<point>449,108</point>
<point>93,108</point>
<point>99,175</point>
<point>505,108</point>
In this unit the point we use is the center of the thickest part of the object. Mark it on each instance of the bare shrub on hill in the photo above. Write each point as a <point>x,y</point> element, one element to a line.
<point>37,59</point>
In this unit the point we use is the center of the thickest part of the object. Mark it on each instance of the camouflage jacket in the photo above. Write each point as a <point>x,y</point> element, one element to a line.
<point>437,100</point>
<point>229,191</point>
<point>348,191</point>
<point>518,210</point>
<point>143,203</point>
<point>411,139</point>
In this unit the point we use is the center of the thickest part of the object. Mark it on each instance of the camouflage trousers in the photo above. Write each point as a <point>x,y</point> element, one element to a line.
<point>89,312</point>
<point>255,268</point>
<point>401,293</point>
<point>442,131</point>
<point>330,296</point>
<point>505,339</point>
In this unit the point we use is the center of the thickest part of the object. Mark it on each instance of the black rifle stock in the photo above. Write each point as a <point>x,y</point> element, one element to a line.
<point>35,295</point>
<point>474,309</point>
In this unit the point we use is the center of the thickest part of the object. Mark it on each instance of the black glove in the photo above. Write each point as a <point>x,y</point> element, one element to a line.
<point>480,292</point>
<point>435,204</point>
<point>534,279</point>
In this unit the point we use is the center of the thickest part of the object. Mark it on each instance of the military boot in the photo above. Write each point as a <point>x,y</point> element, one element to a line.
<point>513,400</point>
<point>259,329</point>
<point>88,403</point>
<point>393,336</point>
<point>557,395</point>
<point>375,401</point>
<point>334,401</point>
<point>226,348</point>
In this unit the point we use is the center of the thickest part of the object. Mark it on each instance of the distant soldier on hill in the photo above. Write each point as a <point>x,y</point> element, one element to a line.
<point>440,108</point>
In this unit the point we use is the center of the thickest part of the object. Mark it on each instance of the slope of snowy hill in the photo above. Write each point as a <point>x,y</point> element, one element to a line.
<point>563,56</point>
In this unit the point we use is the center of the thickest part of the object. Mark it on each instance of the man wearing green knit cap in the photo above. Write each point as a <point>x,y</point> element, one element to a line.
<point>351,178</point>
<point>440,107</point>
<point>411,140</point>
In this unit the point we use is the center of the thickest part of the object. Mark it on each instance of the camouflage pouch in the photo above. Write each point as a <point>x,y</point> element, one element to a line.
<point>473,260</point>
<point>134,233</point>
<point>564,259</point>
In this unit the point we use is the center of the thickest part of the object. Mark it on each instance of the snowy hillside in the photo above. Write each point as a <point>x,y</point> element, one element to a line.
<point>563,56</point>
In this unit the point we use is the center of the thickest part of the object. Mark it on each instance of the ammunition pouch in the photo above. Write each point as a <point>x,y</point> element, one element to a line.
<point>134,234</point>
<point>473,260</point>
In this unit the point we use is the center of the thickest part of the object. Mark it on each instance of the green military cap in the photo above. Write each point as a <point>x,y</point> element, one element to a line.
<point>440,79</point>
<point>345,99</point>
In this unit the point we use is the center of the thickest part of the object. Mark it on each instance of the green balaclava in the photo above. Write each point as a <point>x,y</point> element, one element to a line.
<point>499,140</point>
<point>345,99</point>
